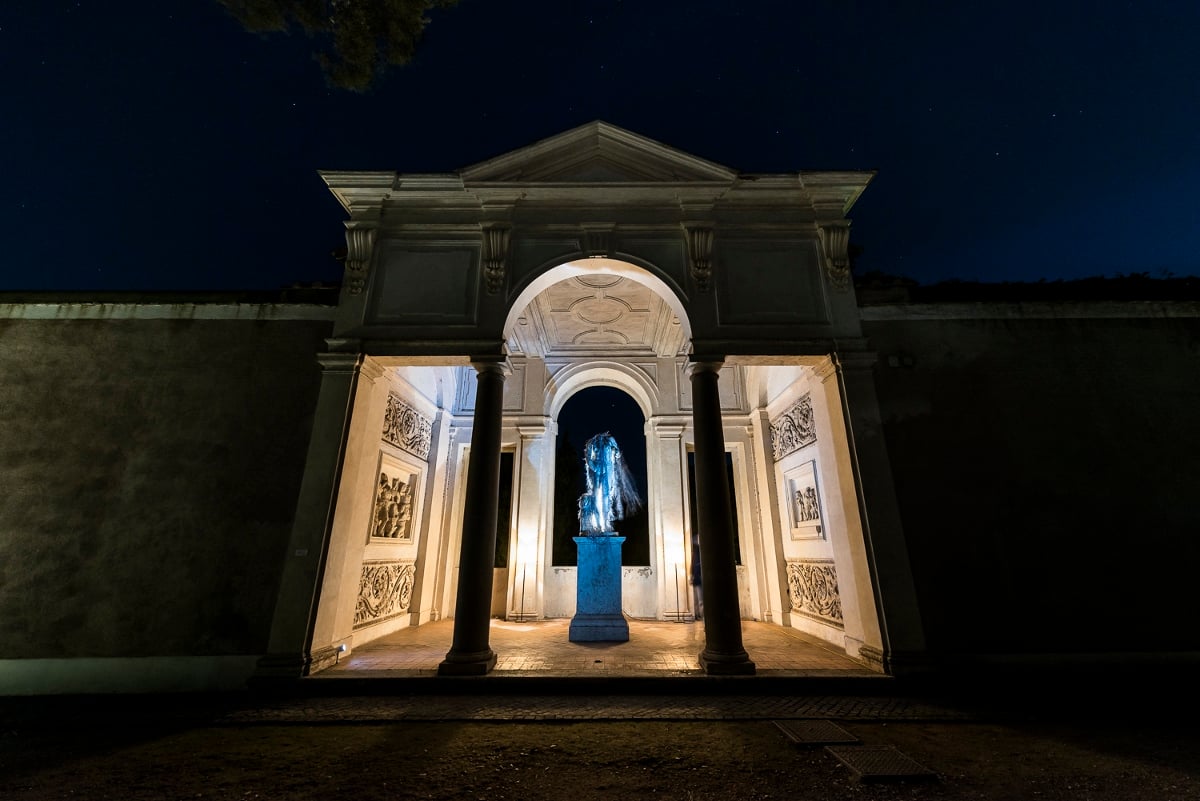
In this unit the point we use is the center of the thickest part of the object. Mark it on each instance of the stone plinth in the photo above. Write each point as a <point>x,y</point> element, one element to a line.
<point>598,616</point>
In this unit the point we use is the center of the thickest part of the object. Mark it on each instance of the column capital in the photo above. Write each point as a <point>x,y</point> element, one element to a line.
<point>703,364</point>
<point>492,364</point>
<point>669,428</point>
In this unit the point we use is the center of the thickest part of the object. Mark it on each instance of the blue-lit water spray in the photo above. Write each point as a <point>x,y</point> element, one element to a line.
<point>611,493</point>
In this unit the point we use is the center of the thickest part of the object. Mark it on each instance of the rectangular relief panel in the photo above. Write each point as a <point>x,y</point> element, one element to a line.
<point>769,282</point>
<point>804,502</point>
<point>396,502</point>
<point>426,282</point>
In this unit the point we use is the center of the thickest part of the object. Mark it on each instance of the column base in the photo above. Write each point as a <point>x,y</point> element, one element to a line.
<point>726,664</point>
<point>476,664</point>
<point>599,628</point>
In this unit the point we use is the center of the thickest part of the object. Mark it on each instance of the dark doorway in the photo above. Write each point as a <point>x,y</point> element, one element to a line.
<point>737,544</point>
<point>593,411</point>
<point>504,512</point>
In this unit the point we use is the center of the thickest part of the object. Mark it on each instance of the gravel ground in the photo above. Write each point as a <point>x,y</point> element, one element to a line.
<point>175,748</point>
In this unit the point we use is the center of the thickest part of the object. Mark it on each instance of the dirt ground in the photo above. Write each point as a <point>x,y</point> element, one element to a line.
<point>54,757</point>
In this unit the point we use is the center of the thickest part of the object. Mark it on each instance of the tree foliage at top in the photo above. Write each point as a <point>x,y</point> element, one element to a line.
<point>362,37</point>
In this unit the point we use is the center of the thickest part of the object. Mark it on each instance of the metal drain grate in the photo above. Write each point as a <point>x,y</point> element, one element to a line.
<point>815,732</point>
<point>879,763</point>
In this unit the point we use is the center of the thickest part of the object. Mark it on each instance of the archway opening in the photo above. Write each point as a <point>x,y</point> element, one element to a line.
<point>592,411</point>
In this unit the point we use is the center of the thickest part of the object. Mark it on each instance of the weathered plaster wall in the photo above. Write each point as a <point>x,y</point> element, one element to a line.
<point>149,472</point>
<point>1046,465</point>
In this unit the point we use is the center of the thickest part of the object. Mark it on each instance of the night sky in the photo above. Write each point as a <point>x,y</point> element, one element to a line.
<point>155,146</point>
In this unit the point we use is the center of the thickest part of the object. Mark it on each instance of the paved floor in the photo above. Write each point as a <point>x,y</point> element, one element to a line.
<point>543,648</point>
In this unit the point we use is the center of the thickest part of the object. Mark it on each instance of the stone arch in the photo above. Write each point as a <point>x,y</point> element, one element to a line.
<point>630,379</point>
<point>643,275</point>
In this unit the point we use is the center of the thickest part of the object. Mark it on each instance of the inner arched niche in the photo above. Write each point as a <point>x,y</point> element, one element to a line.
<point>593,410</point>
<point>603,323</point>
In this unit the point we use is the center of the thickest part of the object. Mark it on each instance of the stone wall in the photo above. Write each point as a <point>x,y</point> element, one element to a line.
<point>149,470</point>
<point>1045,461</point>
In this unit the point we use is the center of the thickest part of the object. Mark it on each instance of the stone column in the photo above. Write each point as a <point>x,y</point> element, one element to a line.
<point>295,607</point>
<point>896,597</point>
<point>470,654</point>
<point>723,653</point>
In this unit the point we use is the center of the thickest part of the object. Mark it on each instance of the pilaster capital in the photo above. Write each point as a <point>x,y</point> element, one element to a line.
<point>343,345</point>
<point>824,369</point>
<point>665,429</point>
<point>851,361</point>
<point>370,370</point>
<point>531,431</point>
<point>339,362</point>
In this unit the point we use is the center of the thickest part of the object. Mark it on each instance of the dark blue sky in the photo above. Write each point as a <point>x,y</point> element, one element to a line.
<point>152,145</point>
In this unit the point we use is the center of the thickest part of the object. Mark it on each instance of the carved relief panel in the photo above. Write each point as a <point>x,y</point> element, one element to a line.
<point>793,429</point>
<point>813,590</point>
<point>384,591</point>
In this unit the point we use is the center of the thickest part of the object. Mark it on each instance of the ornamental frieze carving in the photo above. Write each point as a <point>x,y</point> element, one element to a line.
<point>813,589</point>
<point>406,428</point>
<point>793,429</point>
<point>384,591</point>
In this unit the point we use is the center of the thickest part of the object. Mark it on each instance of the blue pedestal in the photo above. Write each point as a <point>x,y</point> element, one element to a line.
<point>598,616</point>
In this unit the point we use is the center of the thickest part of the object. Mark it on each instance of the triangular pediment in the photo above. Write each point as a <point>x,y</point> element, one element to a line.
<point>597,153</point>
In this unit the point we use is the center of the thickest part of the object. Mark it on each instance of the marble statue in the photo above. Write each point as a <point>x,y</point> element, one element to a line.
<point>611,493</point>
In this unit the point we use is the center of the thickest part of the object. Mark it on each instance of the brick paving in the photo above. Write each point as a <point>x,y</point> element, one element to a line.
<point>542,648</point>
<point>541,676</point>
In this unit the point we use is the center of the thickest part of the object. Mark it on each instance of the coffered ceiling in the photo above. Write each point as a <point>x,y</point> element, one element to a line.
<point>595,315</point>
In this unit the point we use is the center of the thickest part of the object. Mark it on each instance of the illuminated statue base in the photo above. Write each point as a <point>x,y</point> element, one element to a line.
<point>598,616</point>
